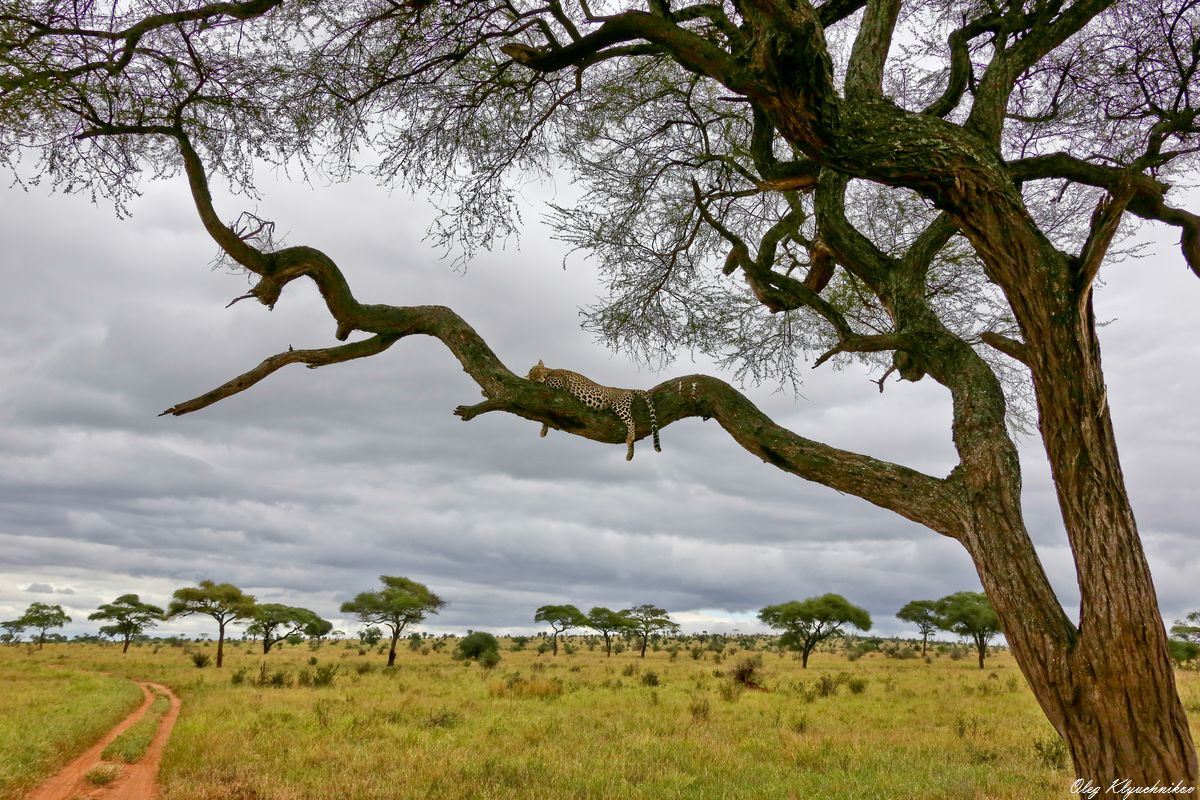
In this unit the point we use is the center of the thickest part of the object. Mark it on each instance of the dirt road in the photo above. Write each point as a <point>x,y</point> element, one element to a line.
<point>137,781</point>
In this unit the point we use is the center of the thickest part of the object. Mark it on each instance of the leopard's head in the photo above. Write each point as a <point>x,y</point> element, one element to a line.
<point>538,373</point>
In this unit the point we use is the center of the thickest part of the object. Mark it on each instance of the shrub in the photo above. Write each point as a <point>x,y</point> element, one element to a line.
<point>857,685</point>
<point>238,677</point>
<point>700,709</point>
<point>1052,751</point>
<point>304,677</point>
<point>201,660</point>
<point>747,671</point>
<point>630,670</point>
<point>799,724</point>
<point>491,658</point>
<point>650,678</point>
<point>537,687</point>
<point>619,648</point>
<point>312,661</point>
<point>827,686</point>
<point>364,668</point>
<point>475,645</point>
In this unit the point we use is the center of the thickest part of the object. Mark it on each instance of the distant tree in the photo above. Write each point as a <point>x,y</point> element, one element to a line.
<point>923,614</point>
<point>129,617</point>
<point>400,603</point>
<point>1188,628</point>
<point>12,631</point>
<point>607,622</point>
<point>969,614</point>
<point>370,635</point>
<point>224,602</point>
<point>560,619</point>
<point>1183,651</point>
<point>648,619</point>
<point>42,617</point>
<point>807,623</point>
<point>479,646</point>
<point>275,622</point>
<point>318,629</point>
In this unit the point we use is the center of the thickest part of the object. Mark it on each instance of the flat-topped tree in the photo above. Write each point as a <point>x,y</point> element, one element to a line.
<point>970,615</point>
<point>274,622</point>
<point>128,617</point>
<point>12,631</point>
<point>606,622</point>
<point>400,603</point>
<point>646,620</point>
<point>807,623</point>
<point>923,614</point>
<point>759,180</point>
<point>43,617</point>
<point>560,619</point>
<point>224,602</point>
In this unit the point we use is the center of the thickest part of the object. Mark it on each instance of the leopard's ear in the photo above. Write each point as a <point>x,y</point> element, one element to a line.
<point>540,364</point>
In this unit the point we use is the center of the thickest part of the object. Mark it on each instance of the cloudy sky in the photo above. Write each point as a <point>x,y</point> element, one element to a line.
<point>309,486</point>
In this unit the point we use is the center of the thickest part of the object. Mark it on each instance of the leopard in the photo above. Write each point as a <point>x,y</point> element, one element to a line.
<point>599,398</point>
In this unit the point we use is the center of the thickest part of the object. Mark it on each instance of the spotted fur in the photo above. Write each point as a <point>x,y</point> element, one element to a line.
<point>598,397</point>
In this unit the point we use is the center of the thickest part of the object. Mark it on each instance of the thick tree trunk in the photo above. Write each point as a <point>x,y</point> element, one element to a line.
<point>220,644</point>
<point>1107,686</point>
<point>392,649</point>
<point>125,649</point>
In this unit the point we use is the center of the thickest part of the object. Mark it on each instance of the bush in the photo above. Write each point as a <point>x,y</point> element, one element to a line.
<point>491,658</point>
<point>857,685</point>
<point>201,660</point>
<point>700,709</point>
<point>238,677</point>
<point>747,672</point>
<point>650,678</point>
<point>475,645</point>
<point>827,686</point>
<point>1052,751</point>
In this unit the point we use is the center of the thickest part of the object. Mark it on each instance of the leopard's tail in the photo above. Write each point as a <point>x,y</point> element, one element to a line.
<point>653,421</point>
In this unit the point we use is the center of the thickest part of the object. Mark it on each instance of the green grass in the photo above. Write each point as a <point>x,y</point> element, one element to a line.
<point>583,726</point>
<point>102,774</point>
<point>50,712</point>
<point>131,745</point>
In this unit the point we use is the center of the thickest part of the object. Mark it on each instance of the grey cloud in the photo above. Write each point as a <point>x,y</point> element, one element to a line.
<point>40,588</point>
<point>309,486</point>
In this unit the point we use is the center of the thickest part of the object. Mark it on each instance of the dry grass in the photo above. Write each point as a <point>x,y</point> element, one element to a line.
<point>583,726</point>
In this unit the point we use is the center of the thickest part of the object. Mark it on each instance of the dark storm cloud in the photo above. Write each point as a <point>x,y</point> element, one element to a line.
<point>308,487</point>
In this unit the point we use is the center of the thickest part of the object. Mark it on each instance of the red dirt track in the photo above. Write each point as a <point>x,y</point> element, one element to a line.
<point>137,781</point>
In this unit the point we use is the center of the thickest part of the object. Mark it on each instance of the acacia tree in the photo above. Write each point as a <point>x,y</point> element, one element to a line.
<point>807,623</point>
<point>941,210</point>
<point>400,603</point>
<point>969,614</point>
<point>560,619</point>
<point>12,631</point>
<point>275,622</point>
<point>1188,628</point>
<point>128,616</point>
<point>606,622</point>
<point>224,602</point>
<point>923,614</point>
<point>42,617</point>
<point>646,620</point>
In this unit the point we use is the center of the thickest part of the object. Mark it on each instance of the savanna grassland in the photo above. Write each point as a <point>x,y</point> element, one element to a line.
<point>574,725</point>
<point>50,710</point>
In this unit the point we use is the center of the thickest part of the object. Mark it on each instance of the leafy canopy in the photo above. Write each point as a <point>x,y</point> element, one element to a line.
<point>401,602</point>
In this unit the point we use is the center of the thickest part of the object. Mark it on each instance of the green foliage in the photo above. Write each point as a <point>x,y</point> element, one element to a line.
<point>42,617</point>
<point>275,622</point>
<point>807,623</point>
<point>969,614</point>
<point>1188,628</point>
<point>476,645</point>
<point>647,620</point>
<point>400,603</point>
<point>1052,751</point>
<point>201,659</point>
<point>128,615</point>
<point>223,602</point>
<point>1183,652</point>
<point>560,619</point>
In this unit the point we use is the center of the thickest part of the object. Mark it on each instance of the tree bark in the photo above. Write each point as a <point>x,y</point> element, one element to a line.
<point>220,643</point>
